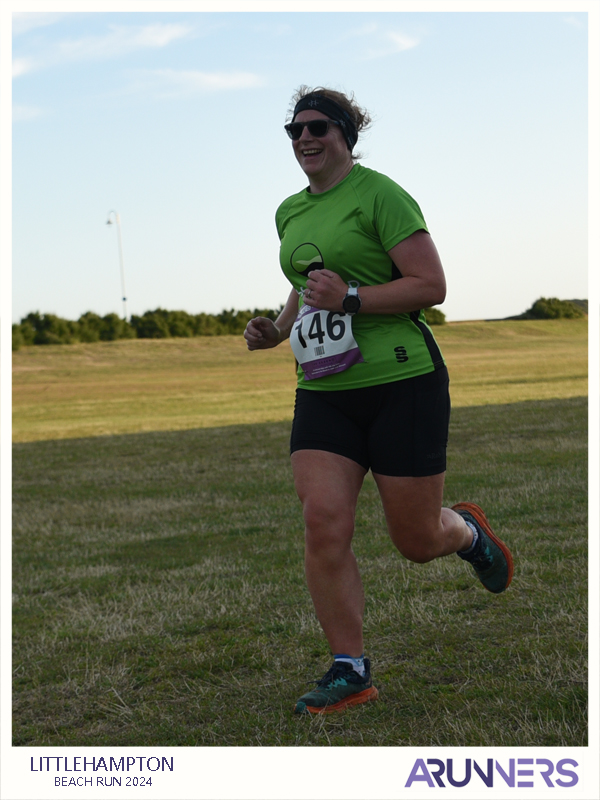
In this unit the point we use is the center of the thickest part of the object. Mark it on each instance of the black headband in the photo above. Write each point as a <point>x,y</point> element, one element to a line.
<point>317,102</point>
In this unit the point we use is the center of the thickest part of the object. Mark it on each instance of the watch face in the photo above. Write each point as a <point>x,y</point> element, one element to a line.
<point>351,303</point>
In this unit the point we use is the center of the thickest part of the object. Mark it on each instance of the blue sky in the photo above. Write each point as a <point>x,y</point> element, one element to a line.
<point>175,120</point>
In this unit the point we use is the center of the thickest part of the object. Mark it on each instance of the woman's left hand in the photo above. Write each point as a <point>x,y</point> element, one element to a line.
<point>325,290</point>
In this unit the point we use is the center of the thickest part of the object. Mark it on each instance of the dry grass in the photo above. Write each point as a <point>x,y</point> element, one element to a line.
<point>70,391</point>
<point>160,597</point>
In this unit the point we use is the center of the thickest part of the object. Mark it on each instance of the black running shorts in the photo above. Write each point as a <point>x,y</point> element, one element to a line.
<point>398,428</point>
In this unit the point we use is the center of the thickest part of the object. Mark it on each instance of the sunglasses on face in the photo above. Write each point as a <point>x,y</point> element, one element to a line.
<point>316,127</point>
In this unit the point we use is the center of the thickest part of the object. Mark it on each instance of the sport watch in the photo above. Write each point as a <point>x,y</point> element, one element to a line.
<point>352,302</point>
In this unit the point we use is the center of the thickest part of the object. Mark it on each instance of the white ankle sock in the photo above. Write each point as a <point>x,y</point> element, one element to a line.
<point>475,537</point>
<point>358,664</point>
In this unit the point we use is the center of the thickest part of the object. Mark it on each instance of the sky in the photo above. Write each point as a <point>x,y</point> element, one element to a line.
<point>175,122</point>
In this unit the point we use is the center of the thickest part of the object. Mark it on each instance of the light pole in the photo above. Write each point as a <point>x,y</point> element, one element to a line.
<point>118,222</point>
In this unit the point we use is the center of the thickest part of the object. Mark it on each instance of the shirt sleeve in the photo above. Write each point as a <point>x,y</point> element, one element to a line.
<point>396,215</point>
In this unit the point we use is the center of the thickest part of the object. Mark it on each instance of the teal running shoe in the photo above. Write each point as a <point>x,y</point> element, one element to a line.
<point>340,688</point>
<point>491,559</point>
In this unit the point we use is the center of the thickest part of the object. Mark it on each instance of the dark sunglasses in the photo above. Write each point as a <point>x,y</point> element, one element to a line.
<point>316,127</point>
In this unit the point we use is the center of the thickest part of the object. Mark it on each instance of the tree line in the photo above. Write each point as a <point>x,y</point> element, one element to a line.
<point>552,308</point>
<point>38,328</point>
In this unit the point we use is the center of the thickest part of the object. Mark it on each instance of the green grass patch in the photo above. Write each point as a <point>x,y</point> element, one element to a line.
<point>107,388</point>
<point>159,595</point>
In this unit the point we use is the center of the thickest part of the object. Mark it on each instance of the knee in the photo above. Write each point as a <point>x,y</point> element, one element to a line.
<point>328,533</point>
<point>321,517</point>
<point>419,548</point>
<point>418,554</point>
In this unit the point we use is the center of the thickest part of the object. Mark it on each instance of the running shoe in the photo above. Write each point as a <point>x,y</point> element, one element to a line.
<point>339,688</point>
<point>490,558</point>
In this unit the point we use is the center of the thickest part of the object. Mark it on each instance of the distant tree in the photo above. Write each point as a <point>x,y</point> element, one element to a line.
<point>112,327</point>
<point>50,329</point>
<point>90,325</point>
<point>582,304</point>
<point>553,308</point>
<point>151,325</point>
<point>23,334</point>
<point>18,339</point>
<point>434,316</point>
<point>269,313</point>
<point>207,325</point>
<point>229,320</point>
<point>181,323</point>
<point>38,328</point>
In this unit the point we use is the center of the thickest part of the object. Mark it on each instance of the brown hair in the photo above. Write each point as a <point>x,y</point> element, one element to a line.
<point>362,118</point>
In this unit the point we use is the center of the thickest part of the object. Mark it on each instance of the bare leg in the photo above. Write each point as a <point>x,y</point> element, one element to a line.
<point>328,486</point>
<point>418,525</point>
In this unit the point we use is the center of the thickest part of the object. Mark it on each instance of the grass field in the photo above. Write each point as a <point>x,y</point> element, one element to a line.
<point>159,595</point>
<point>69,391</point>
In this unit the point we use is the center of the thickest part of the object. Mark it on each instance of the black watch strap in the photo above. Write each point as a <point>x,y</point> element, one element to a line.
<point>352,302</point>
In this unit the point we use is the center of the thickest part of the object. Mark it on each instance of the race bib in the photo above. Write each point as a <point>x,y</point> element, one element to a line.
<point>323,343</point>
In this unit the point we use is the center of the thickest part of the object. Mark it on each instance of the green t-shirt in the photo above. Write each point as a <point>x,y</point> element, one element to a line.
<point>349,230</point>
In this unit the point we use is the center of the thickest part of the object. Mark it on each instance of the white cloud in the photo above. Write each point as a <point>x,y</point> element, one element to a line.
<point>25,113</point>
<point>119,41</point>
<point>23,21</point>
<point>22,65</point>
<point>391,42</point>
<point>402,42</point>
<point>170,82</point>
<point>575,22</point>
<point>381,42</point>
<point>365,30</point>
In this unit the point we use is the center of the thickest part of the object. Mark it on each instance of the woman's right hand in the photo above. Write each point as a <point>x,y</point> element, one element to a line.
<point>261,333</point>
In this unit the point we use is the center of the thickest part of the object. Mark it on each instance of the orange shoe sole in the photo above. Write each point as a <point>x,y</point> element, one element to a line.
<point>481,518</point>
<point>353,700</point>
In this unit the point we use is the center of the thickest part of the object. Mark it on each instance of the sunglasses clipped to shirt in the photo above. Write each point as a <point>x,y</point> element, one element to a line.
<point>316,127</point>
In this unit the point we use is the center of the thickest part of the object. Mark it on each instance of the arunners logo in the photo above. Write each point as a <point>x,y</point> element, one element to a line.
<point>513,773</point>
<point>305,258</point>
